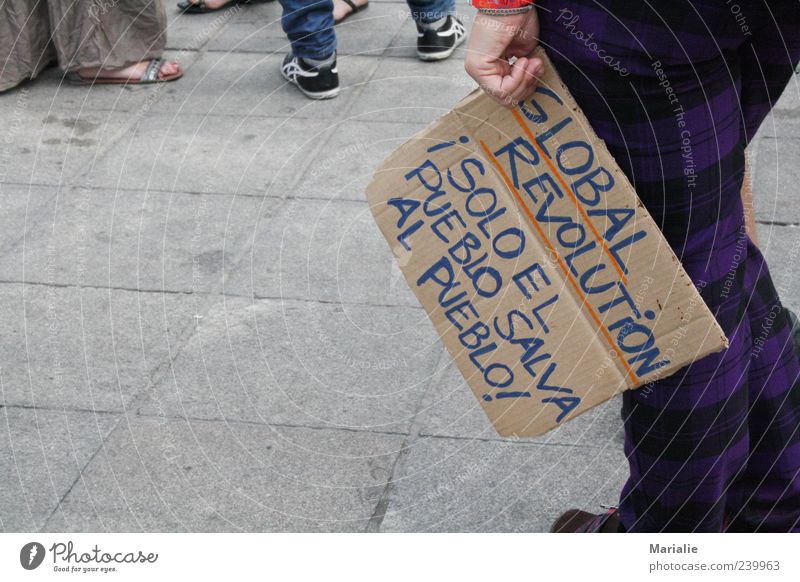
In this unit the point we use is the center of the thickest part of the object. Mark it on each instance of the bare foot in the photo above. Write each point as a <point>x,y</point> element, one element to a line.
<point>131,73</point>
<point>342,8</point>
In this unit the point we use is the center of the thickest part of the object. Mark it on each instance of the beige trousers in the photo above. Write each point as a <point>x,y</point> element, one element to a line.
<point>78,34</point>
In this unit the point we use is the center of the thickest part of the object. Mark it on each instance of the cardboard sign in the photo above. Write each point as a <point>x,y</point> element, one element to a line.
<point>547,280</point>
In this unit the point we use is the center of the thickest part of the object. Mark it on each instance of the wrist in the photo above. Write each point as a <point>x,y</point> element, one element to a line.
<point>502,7</point>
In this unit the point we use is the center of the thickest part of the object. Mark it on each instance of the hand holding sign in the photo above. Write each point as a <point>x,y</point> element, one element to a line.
<point>493,42</point>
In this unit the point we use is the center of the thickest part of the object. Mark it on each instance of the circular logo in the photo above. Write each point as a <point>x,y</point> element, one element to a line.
<point>31,555</point>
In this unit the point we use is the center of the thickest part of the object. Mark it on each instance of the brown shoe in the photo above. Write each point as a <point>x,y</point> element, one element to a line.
<point>578,521</point>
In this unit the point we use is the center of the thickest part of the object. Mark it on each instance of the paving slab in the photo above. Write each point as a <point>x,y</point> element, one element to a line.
<point>52,94</point>
<point>19,206</point>
<point>302,363</point>
<point>190,272</point>
<point>321,250</point>
<point>85,349</point>
<point>457,485</point>
<point>241,85</point>
<point>780,124</point>
<point>450,409</point>
<point>775,177</point>
<point>157,475</point>
<point>404,44</point>
<point>191,32</point>
<point>248,28</point>
<point>345,164</point>
<point>781,247</point>
<point>157,241</point>
<point>41,455</point>
<point>789,102</point>
<point>43,147</point>
<point>206,154</point>
<point>365,33</point>
<point>408,90</point>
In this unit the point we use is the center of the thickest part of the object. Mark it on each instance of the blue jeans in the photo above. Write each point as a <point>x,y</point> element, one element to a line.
<point>427,11</point>
<point>309,23</point>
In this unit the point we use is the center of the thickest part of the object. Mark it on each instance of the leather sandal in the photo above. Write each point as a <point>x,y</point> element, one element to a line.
<point>150,76</point>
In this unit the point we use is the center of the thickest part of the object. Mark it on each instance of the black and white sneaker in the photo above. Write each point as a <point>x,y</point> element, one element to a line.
<point>320,82</point>
<point>438,44</point>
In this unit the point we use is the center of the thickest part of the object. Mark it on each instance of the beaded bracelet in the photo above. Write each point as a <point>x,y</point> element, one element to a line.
<point>504,11</point>
<point>502,7</point>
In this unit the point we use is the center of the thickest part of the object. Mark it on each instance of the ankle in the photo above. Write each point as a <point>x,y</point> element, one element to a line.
<point>434,25</point>
<point>323,62</point>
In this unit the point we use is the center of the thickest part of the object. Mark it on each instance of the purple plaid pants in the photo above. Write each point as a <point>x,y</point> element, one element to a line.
<point>676,88</point>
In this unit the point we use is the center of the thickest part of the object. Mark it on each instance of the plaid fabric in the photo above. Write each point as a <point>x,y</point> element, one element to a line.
<point>676,89</point>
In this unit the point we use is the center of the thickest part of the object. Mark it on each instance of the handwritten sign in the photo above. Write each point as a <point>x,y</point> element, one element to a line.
<point>548,282</point>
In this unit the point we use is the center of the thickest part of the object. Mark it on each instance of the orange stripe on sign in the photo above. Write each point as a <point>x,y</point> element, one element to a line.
<point>561,263</point>
<point>569,191</point>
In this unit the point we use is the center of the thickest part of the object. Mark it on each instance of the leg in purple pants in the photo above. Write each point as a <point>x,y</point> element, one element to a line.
<point>676,88</point>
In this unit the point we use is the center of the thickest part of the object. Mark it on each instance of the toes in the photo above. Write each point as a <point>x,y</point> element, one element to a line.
<point>169,68</point>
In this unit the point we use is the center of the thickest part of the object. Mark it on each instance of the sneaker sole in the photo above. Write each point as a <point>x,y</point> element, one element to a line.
<point>440,56</point>
<point>329,94</point>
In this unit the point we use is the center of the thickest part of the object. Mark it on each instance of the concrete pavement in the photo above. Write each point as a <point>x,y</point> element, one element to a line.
<point>205,331</point>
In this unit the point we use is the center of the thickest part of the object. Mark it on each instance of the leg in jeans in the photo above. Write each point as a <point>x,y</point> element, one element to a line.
<point>717,441</point>
<point>309,26</point>
<point>428,11</point>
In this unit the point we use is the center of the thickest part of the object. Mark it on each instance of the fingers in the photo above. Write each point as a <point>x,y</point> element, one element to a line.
<point>488,73</point>
<point>495,39</point>
<point>530,70</point>
<point>487,62</point>
<point>517,84</point>
<point>499,87</point>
